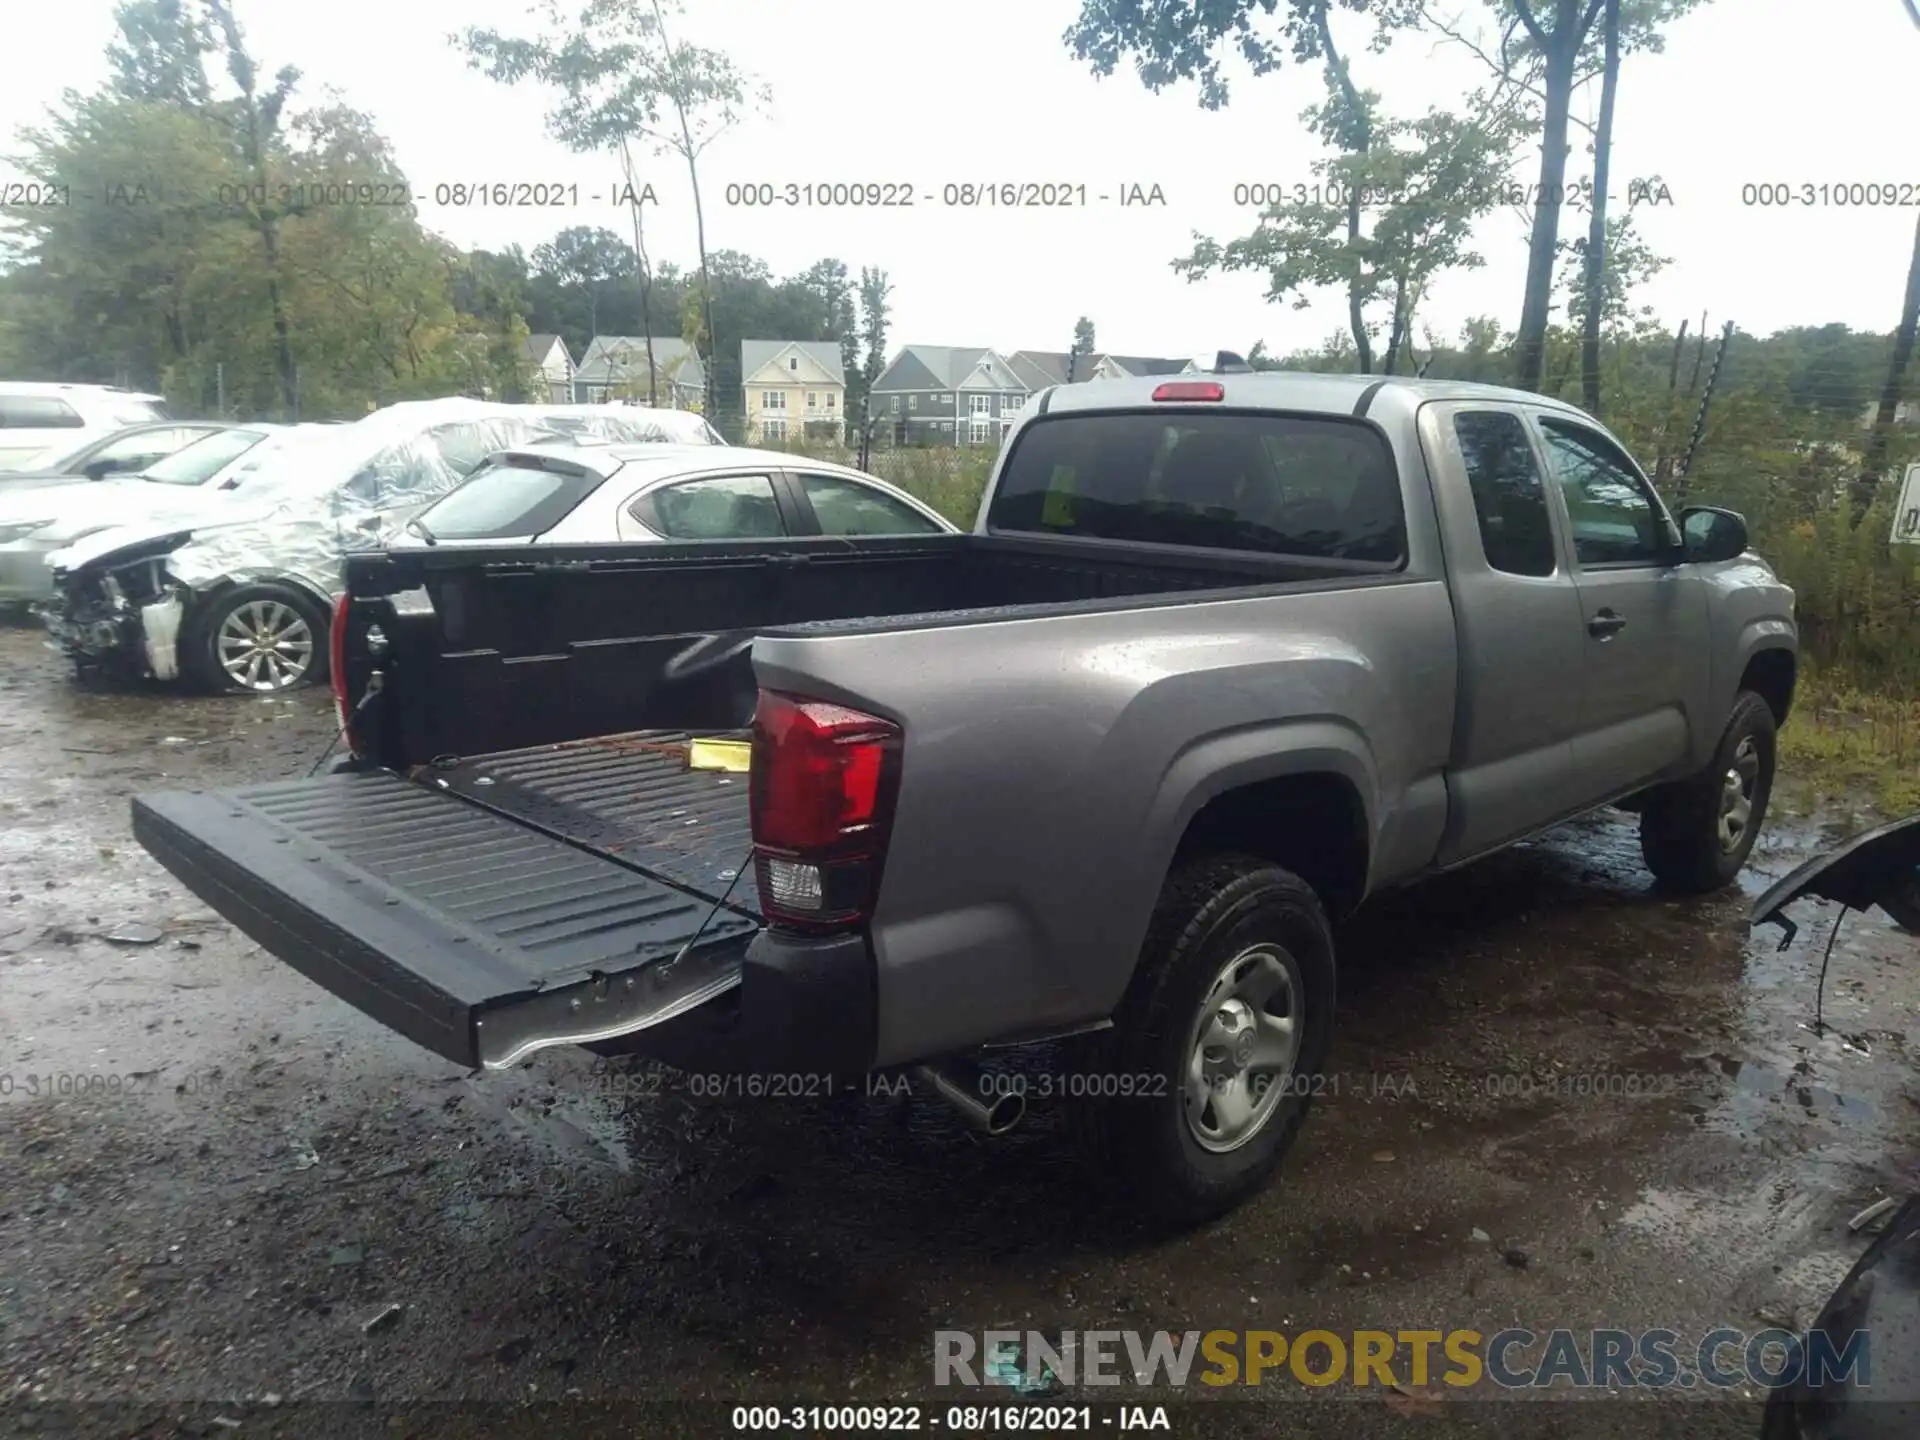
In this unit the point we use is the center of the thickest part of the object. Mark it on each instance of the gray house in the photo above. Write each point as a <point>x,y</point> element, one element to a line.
<point>614,367</point>
<point>943,395</point>
<point>947,395</point>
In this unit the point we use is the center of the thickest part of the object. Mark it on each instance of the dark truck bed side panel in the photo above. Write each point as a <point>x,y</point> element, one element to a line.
<point>628,796</point>
<point>500,649</point>
<point>479,914</point>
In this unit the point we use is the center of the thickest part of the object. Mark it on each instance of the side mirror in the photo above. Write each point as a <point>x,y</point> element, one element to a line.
<point>1713,534</point>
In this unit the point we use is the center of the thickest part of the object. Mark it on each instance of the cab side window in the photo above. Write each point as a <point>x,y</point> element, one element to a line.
<point>1614,516</point>
<point>1509,497</point>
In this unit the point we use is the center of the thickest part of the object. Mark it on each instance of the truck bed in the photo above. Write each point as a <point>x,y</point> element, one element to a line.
<point>627,798</point>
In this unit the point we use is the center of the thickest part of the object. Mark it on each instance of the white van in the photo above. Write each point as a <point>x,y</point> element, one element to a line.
<point>40,420</point>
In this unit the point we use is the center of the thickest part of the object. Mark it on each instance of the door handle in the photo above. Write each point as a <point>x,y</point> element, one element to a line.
<point>1606,624</point>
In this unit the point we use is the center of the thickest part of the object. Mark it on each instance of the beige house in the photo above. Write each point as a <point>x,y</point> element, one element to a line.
<point>793,388</point>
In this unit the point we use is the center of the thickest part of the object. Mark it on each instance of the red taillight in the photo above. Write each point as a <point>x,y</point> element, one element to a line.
<point>821,794</point>
<point>1191,390</point>
<point>337,668</point>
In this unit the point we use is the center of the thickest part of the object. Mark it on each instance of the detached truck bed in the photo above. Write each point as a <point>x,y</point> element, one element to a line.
<point>1223,656</point>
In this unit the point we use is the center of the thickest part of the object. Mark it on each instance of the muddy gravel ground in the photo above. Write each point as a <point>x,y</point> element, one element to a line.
<point>218,1182</point>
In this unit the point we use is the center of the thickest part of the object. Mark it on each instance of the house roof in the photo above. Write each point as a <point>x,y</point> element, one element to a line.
<point>755,354</point>
<point>540,346</point>
<point>611,358</point>
<point>1145,364</point>
<point>950,364</point>
<point>1049,367</point>
<point>1036,368</point>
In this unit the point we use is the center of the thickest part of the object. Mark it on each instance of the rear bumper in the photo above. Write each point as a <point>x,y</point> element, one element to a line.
<point>803,1007</point>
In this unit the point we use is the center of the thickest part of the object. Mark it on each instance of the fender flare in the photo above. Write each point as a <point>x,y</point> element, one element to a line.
<point>1229,760</point>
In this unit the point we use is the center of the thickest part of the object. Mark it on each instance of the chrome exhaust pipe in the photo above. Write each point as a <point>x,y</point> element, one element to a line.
<point>972,1093</point>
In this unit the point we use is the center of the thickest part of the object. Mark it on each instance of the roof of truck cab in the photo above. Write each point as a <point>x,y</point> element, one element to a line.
<point>1296,390</point>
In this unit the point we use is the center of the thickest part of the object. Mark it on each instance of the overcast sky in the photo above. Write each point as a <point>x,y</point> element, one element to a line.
<point>907,92</point>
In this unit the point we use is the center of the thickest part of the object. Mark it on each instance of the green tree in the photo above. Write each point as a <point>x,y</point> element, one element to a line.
<point>586,257</point>
<point>255,119</point>
<point>624,76</point>
<point>141,272</point>
<point>876,295</point>
<point>159,51</point>
<point>1382,224</point>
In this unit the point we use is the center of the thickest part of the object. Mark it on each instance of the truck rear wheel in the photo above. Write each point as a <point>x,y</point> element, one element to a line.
<point>1695,834</point>
<point>1208,1072</point>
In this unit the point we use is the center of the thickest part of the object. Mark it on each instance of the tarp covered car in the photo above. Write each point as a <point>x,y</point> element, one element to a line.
<point>239,599</point>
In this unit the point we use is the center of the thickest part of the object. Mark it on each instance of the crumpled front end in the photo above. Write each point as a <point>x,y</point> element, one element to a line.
<point>120,616</point>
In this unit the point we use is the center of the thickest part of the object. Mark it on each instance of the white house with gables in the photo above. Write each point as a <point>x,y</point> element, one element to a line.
<point>793,388</point>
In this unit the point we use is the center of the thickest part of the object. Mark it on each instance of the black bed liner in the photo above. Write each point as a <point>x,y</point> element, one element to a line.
<point>470,932</point>
<point>629,797</point>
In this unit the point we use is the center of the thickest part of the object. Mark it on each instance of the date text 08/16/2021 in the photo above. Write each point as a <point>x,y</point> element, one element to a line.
<point>1029,1419</point>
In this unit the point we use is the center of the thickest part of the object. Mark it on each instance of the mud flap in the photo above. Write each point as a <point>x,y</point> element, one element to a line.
<point>1859,874</point>
<point>469,933</point>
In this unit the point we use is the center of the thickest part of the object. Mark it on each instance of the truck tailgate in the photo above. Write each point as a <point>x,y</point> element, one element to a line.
<point>464,929</point>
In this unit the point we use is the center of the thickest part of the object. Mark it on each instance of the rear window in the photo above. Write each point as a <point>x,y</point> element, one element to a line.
<point>1277,484</point>
<point>41,412</point>
<point>199,462</point>
<point>507,498</point>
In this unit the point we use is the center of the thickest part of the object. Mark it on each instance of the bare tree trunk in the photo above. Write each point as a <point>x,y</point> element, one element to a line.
<point>1868,480</point>
<point>691,152</point>
<point>1663,467</point>
<point>1597,223</point>
<point>706,289</point>
<point>1673,365</point>
<point>1362,142</point>
<point>1700,416</point>
<point>646,273</point>
<point>1559,49</point>
<point>1699,354</point>
<point>1397,336</point>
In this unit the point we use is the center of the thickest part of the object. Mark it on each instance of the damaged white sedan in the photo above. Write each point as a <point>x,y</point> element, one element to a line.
<point>237,600</point>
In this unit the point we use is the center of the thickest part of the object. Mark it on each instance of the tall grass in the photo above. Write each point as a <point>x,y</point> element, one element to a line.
<point>949,478</point>
<point>1843,743</point>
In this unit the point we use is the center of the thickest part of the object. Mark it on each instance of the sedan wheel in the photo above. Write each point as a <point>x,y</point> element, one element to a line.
<point>264,645</point>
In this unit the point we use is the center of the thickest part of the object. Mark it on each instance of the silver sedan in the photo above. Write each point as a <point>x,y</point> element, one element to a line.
<point>564,494</point>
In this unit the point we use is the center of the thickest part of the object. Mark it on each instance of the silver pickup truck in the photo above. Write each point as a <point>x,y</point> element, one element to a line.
<point>1222,656</point>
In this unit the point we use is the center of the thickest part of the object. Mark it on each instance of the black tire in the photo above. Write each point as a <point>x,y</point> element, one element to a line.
<point>1210,911</point>
<point>200,641</point>
<point>1903,903</point>
<point>1681,834</point>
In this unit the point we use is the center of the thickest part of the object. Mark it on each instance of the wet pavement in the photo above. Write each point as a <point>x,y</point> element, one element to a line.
<point>1555,1100</point>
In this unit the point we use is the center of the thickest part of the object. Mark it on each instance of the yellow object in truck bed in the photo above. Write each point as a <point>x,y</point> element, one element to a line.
<point>732,756</point>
